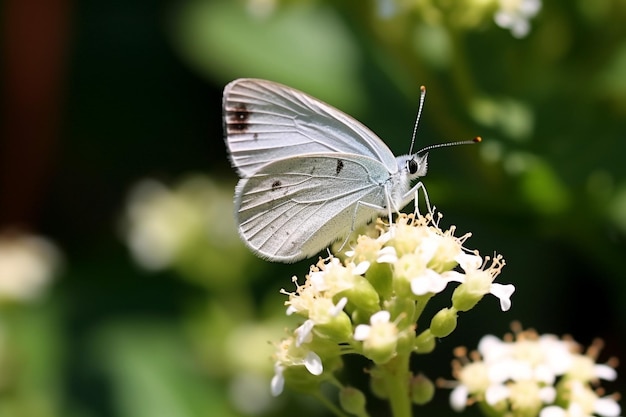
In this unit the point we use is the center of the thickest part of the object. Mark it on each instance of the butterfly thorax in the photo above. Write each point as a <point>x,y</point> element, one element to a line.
<point>410,167</point>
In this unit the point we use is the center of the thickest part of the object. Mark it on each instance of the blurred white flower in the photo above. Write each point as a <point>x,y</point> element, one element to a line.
<point>532,375</point>
<point>27,266</point>
<point>161,222</point>
<point>515,15</point>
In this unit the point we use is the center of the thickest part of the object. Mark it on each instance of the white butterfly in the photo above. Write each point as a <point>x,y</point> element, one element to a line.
<point>310,174</point>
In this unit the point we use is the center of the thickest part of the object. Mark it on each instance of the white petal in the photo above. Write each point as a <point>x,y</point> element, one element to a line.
<point>455,276</point>
<point>361,268</point>
<point>500,371</point>
<point>491,347</point>
<point>544,373</point>
<point>605,372</point>
<point>313,363</point>
<point>278,381</point>
<point>547,394</point>
<point>458,398</point>
<point>607,407</point>
<point>468,261</point>
<point>387,255</point>
<point>553,411</point>
<point>520,370</point>
<point>503,292</point>
<point>520,28</point>
<point>420,286</point>
<point>380,317</point>
<point>303,333</point>
<point>503,19</point>
<point>290,310</point>
<point>317,281</point>
<point>335,310</point>
<point>496,393</point>
<point>362,332</point>
<point>530,8</point>
<point>429,282</point>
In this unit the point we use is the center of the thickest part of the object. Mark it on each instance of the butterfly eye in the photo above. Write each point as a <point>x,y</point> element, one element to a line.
<point>411,166</point>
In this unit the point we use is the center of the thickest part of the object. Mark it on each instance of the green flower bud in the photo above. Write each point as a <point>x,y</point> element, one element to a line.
<point>362,295</point>
<point>422,390</point>
<point>464,298</point>
<point>337,328</point>
<point>444,322</point>
<point>378,386</point>
<point>352,401</point>
<point>402,310</point>
<point>425,342</point>
<point>300,379</point>
<point>380,276</point>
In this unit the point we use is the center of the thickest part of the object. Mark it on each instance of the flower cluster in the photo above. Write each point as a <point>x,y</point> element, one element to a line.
<point>514,15</point>
<point>527,375</point>
<point>370,303</point>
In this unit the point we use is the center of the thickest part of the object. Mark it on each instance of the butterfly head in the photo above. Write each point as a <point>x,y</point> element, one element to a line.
<point>413,166</point>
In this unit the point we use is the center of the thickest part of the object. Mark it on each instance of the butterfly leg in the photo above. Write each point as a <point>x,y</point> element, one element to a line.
<point>363,206</point>
<point>414,192</point>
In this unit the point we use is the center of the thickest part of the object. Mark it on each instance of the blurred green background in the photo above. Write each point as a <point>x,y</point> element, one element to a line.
<point>111,147</point>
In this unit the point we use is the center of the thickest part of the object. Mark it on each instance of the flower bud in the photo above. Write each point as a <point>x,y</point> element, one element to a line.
<point>363,295</point>
<point>444,322</point>
<point>468,294</point>
<point>380,276</point>
<point>422,390</point>
<point>352,401</point>
<point>425,342</point>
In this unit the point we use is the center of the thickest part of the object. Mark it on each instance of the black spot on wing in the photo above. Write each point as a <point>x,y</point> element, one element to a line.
<point>339,166</point>
<point>275,185</point>
<point>237,118</point>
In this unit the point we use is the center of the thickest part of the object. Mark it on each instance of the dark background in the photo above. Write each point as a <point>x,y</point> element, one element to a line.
<point>98,96</point>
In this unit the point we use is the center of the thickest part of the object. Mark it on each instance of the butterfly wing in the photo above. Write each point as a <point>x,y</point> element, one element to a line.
<point>266,121</point>
<point>293,208</point>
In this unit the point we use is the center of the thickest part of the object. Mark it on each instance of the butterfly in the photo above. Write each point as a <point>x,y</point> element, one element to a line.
<point>310,174</point>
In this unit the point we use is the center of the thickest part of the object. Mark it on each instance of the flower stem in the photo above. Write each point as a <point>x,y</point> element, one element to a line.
<point>329,405</point>
<point>396,375</point>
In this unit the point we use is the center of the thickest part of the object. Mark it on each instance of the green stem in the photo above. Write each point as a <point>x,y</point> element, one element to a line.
<point>420,306</point>
<point>396,376</point>
<point>328,404</point>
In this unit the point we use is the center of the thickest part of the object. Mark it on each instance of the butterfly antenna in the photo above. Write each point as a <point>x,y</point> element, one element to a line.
<point>419,114</point>
<point>477,139</point>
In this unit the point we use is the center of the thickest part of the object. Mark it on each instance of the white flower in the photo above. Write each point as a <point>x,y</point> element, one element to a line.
<point>480,281</point>
<point>516,14</point>
<point>304,332</point>
<point>530,374</point>
<point>379,319</point>
<point>430,282</point>
<point>27,265</point>
<point>289,354</point>
<point>380,337</point>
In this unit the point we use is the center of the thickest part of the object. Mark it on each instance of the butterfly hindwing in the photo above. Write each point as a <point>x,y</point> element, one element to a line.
<point>295,207</point>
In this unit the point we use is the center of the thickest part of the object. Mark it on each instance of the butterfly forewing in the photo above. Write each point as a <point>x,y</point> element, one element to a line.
<point>293,208</point>
<point>266,121</point>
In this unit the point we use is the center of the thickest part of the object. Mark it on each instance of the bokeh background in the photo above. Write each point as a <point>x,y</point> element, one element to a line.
<point>125,290</point>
